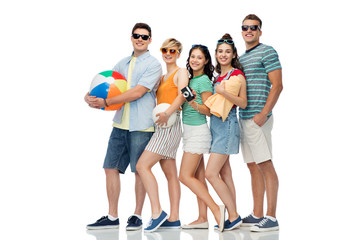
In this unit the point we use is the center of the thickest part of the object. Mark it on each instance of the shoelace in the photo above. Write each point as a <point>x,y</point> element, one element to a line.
<point>263,222</point>
<point>133,219</point>
<point>247,217</point>
<point>102,219</point>
<point>150,222</point>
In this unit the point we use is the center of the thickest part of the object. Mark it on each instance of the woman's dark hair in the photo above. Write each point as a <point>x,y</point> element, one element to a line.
<point>208,68</point>
<point>235,63</point>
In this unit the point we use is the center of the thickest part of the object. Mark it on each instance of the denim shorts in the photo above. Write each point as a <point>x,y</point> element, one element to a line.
<point>125,148</point>
<point>225,135</point>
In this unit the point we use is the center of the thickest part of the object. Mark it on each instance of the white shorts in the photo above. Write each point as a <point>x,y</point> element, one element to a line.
<point>256,145</point>
<point>196,139</point>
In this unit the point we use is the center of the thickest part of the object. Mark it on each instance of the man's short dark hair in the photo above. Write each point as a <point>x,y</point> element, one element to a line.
<point>253,17</point>
<point>142,25</point>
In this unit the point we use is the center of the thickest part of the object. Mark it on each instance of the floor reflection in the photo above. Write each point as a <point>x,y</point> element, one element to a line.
<point>173,234</point>
<point>134,235</point>
<point>105,234</point>
<point>176,234</point>
<point>197,234</point>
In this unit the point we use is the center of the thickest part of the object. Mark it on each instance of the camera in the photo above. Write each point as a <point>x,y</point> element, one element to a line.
<point>187,93</point>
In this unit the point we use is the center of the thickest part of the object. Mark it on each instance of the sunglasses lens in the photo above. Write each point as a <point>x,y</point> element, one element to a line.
<point>230,41</point>
<point>164,50</point>
<point>253,27</point>
<point>172,51</point>
<point>199,46</point>
<point>145,37</point>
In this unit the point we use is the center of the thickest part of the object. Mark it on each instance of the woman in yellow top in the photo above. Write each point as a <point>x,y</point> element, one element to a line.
<point>164,143</point>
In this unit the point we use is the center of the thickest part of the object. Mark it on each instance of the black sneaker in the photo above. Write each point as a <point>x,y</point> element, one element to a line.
<point>104,223</point>
<point>134,223</point>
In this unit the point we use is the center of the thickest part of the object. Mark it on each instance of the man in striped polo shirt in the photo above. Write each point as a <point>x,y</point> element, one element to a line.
<point>264,84</point>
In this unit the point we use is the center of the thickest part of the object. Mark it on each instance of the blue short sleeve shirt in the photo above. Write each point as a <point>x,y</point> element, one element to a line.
<point>147,73</point>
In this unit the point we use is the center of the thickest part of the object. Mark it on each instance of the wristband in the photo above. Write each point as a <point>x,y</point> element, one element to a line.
<point>106,104</point>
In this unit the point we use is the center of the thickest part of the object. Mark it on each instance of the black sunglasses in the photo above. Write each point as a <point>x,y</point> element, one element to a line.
<point>228,41</point>
<point>143,36</point>
<point>252,27</point>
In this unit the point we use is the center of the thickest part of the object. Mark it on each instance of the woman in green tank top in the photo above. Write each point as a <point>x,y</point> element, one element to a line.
<point>197,136</point>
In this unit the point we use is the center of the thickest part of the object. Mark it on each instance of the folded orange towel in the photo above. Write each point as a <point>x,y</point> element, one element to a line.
<point>218,104</point>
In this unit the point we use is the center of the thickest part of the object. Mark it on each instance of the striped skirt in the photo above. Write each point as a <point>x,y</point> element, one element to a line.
<point>165,141</point>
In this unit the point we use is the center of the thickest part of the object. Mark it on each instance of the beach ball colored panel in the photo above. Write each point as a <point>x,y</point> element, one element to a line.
<point>108,84</point>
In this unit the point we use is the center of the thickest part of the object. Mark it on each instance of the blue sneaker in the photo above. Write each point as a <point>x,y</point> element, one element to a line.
<point>216,227</point>
<point>265,225</point>
<point>250,221</point>
<point>104,223</point>
<point>156,223</point>
<point>232,225</point>
<point>170,225</point>
<point>134,223</point>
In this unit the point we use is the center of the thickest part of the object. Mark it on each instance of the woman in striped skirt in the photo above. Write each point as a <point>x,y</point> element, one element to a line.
<point>164,143</point>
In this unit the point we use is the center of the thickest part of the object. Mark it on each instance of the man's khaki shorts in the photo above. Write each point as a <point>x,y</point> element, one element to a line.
<point>256,145</point>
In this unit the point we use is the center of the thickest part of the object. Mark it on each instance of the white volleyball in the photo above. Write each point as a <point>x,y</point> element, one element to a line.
<point>162,108</point>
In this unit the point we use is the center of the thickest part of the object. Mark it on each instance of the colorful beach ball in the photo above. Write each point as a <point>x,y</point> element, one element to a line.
<point>108,84</point>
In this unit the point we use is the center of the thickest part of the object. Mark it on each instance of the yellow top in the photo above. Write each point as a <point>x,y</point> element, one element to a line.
<point>125,120</point>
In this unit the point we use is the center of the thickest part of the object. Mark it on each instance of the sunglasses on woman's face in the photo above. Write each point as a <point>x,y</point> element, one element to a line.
<point>166,50</point>
<point>143,36</point>
<point>252,27</point>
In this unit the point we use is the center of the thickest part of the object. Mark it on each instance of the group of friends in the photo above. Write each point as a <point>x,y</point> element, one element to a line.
<point>250,83</point>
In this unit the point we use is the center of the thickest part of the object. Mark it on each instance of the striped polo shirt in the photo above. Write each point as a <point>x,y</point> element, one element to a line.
<point>258,62</point>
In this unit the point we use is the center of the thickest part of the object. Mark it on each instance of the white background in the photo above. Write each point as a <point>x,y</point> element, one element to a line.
<point>53,144</point>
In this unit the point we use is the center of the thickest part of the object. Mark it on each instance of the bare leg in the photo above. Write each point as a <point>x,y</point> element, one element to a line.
<point>140,194</point>
<point>226,176</point>
<point>189,165</point>
<point>169,168</point>
<point>214,166</point>
<point>258,189</point>
<point>146,162</point>
<point>113,190</point>
<point>200,175</point>
<point>272,186</point>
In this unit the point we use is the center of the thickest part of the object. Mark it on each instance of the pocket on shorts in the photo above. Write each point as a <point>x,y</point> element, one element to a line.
<point>267,122</point>
<point>253,124</point>
<point>235,127</point>
<point>268,125</point>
